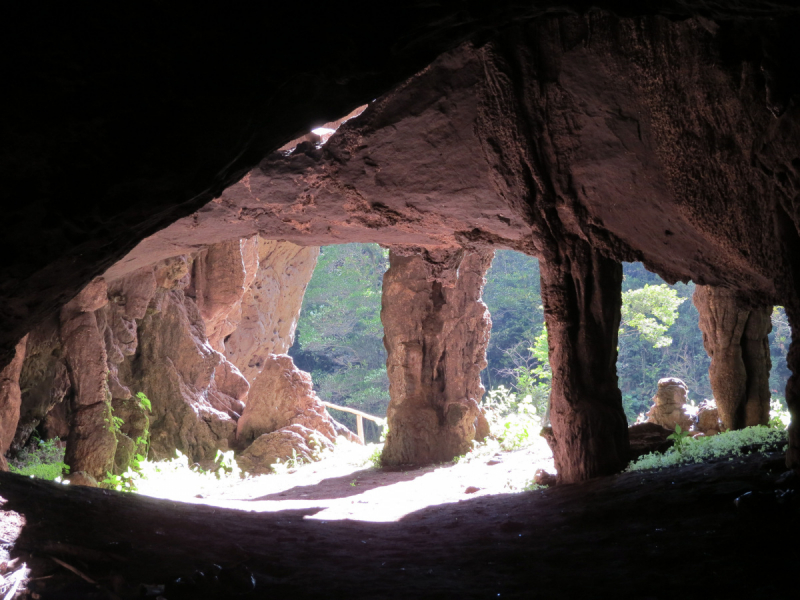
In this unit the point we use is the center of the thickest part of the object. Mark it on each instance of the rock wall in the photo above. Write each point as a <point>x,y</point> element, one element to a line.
<point>271,305</point>
<point>436,329</point>
<point>736,338</point>
<point>10,400</point>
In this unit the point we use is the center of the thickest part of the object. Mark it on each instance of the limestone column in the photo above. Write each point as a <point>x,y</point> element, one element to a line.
<point>10,400</point>
<point>735,338</point>
<point>436,329</point>
<point>582,298</point>
<point>91,443</point>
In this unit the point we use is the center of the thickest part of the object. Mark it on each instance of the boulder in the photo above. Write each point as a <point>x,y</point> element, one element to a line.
<point>293,441</point>
<point>282,395</point>
<point>668,405</point>
<point>648,437</point>
<point>708,420</point>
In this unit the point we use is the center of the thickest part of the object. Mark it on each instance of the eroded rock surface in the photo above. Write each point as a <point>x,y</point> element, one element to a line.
<point>293,442</point>
<point>581,295</point>
<point>271,305</point>
<point>668,405</point>
<point>436,329</point>
<point>736,338</point>
<point>10,400</point>
<point>282,395</point>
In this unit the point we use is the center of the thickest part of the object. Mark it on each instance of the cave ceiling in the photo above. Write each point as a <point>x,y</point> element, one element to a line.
<point>119,121</point>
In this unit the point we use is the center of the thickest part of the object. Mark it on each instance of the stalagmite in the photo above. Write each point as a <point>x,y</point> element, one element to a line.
<point>436,329</point>
<point>735,337</point>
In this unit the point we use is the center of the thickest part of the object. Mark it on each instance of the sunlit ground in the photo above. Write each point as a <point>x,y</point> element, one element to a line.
<point>345,485</point>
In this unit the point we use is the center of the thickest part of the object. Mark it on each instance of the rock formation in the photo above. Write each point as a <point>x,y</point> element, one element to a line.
<point>10,400</point>
<point>293,442</point>
<point>708,421</point>
<point>581,294</point>
<point>436,329</point>
<point>271,305</point>
<point>91,443</point>
<point>667,140</point>
<point>668,408</point>
<point>735,338</point>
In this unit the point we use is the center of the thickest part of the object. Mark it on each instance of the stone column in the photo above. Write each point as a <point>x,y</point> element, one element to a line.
<point>582,297</point>
<point>735,338</point>
<point>91,443</point>
<point>436,329</point>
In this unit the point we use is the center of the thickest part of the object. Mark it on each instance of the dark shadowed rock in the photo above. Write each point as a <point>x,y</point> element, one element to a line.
<point>648,437</point>
<point>10,400</point>
<point>736,338</point>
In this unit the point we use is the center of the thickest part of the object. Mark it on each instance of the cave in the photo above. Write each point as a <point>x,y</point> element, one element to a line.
<point>158,160</point>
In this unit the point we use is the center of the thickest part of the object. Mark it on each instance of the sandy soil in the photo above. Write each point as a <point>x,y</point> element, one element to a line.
<point>668,534</point>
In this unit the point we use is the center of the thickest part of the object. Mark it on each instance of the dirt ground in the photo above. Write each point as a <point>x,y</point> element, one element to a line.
<point>670,534</point>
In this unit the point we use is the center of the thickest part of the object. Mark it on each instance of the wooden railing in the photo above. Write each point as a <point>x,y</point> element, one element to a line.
<point>360,416</point>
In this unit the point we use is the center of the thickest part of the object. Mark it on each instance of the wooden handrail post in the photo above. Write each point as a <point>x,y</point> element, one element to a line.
<point>360,427</point>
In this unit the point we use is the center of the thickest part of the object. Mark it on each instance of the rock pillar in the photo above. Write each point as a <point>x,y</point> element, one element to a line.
<point>582,297</point>
<point>436,329</point>
<point>91,443</point>
<point>735,338</point>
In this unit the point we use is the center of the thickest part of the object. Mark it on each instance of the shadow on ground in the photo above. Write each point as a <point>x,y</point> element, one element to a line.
<point>669,534</point>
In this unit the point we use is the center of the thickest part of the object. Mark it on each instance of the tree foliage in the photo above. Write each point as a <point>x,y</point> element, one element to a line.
<point>651,311</point>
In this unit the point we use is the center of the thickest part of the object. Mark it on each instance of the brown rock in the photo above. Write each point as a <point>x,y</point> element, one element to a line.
<point>581,294</point>
<point>10,400</point>
<point>736,339</point>
<point>44,381</point>
<point>291,442</point>
<point>282,395</point>
<point>542,477</point>
<point>648,437</point>
<point>91,443</point>
<point>82,478</point>
<point>271,305</point>
<point>668,405</point>
<point>436,338</point>
<point>708,421</point>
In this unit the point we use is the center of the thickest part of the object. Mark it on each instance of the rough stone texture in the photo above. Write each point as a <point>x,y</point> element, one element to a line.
<point>436,330</point>
<point>581,295</point>
<point>44,381</point>
<point>648,437</point>
<point>736,339</point>
<point>670,140</point>
<point>10,400</point>
<point>282,395</point>
<point>668,405</point>
<point>293,441</point>
<point>91,443</point>
<point>271,305</point>
<point>708,421</point>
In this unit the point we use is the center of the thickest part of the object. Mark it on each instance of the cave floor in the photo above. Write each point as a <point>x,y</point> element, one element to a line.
<point>672,533</point>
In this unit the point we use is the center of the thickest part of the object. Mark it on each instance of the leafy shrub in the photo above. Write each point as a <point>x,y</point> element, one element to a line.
<point>43,459</point>
<point>729,444</point>
<point>513,421</point>
<point>779,416</point>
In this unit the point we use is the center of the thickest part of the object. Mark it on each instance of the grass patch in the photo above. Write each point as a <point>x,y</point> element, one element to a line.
<point>43,459</point>
<point>727,445</point>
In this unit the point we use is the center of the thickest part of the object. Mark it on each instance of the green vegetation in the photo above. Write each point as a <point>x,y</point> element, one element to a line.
<point>727,445</point>
<point>340,338</point>
<point>43,459</point>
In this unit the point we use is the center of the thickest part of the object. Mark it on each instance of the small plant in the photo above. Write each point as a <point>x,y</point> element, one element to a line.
<point>779,416</point>
<point>680,438</point>
<point>144,402</point>
<point>376,457</point>
<point>42,459</point>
